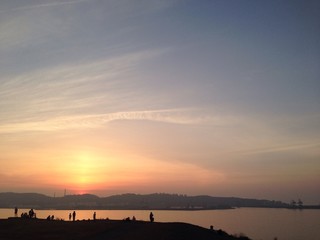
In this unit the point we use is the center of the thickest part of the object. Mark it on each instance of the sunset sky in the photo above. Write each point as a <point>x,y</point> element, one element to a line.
<point>215,97</point>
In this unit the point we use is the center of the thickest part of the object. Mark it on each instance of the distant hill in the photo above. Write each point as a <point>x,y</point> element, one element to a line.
<point>131,201</point>
<point>175,201</point>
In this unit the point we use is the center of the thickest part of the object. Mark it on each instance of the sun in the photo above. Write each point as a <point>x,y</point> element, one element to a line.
<point>82,172</point>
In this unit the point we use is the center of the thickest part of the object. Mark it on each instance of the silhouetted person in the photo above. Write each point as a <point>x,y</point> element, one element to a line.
<point>70,215</point>
<point>151,217</point>
<point>94,216</point>
<point>52,217</point>
<point>15,211</point>
<point>74,215</point>
<point>31,213</point>
<point>133,218</point>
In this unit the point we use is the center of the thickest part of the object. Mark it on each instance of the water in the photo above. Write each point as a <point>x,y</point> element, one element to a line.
<point>257,223</point>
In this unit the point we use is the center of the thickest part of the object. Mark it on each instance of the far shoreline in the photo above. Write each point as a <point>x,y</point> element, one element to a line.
<point>311,207</point>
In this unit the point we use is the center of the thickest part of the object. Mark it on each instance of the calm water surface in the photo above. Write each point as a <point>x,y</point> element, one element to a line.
<point>257,223</point>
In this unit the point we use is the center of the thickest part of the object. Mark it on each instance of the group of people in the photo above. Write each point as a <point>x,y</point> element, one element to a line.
<point>32,214</point>
<point>128,219</point>
<point>50,217</point>
<point>73,216</point>
<point>151,217</point>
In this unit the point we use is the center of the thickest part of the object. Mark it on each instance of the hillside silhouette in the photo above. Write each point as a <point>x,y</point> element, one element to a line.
<point>131,202</point>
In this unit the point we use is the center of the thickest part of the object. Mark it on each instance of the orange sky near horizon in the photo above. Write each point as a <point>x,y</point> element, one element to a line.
<point>82,171</point>
<point>81,162</point>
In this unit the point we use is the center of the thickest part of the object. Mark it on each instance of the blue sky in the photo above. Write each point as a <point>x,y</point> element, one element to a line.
<point>224,94</point>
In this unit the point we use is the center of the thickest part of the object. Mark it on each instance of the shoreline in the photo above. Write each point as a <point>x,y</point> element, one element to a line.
<point>316,207</point>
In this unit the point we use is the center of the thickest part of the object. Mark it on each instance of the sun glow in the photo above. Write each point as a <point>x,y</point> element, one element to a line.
<point>89,171</point>
<point>81,171</point>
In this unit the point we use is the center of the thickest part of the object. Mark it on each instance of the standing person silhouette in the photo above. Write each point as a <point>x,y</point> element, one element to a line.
<point>94,216</point>
<point>70,215</point>
<point>151,217</point>
<point>16,212</point>
<point>74,215</point>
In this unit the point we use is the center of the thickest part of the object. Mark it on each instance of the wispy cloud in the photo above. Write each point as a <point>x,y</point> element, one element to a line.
<point>280,148</point>
<point>44,93</point>
<point>85,95</point>
<point>175,116</point>
<point>44,5</point>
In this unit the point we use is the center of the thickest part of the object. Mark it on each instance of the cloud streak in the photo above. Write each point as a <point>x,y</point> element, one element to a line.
<point>174,116</point>
<point>281,148</point>
<point>45,5</point>
<point>46,93</point>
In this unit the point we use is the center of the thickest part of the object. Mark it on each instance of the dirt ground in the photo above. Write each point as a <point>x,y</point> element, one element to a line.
<point>26,229</point>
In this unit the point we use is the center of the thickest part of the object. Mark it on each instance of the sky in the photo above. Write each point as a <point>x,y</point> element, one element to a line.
<point>209,97</point>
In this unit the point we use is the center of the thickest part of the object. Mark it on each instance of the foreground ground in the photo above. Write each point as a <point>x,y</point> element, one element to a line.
<point>26,229</point>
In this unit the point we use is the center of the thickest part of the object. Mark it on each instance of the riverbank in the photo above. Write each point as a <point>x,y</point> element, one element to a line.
<point>27,229</point>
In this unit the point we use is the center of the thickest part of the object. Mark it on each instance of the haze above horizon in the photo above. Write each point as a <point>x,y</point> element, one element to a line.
<point>215,98</point>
